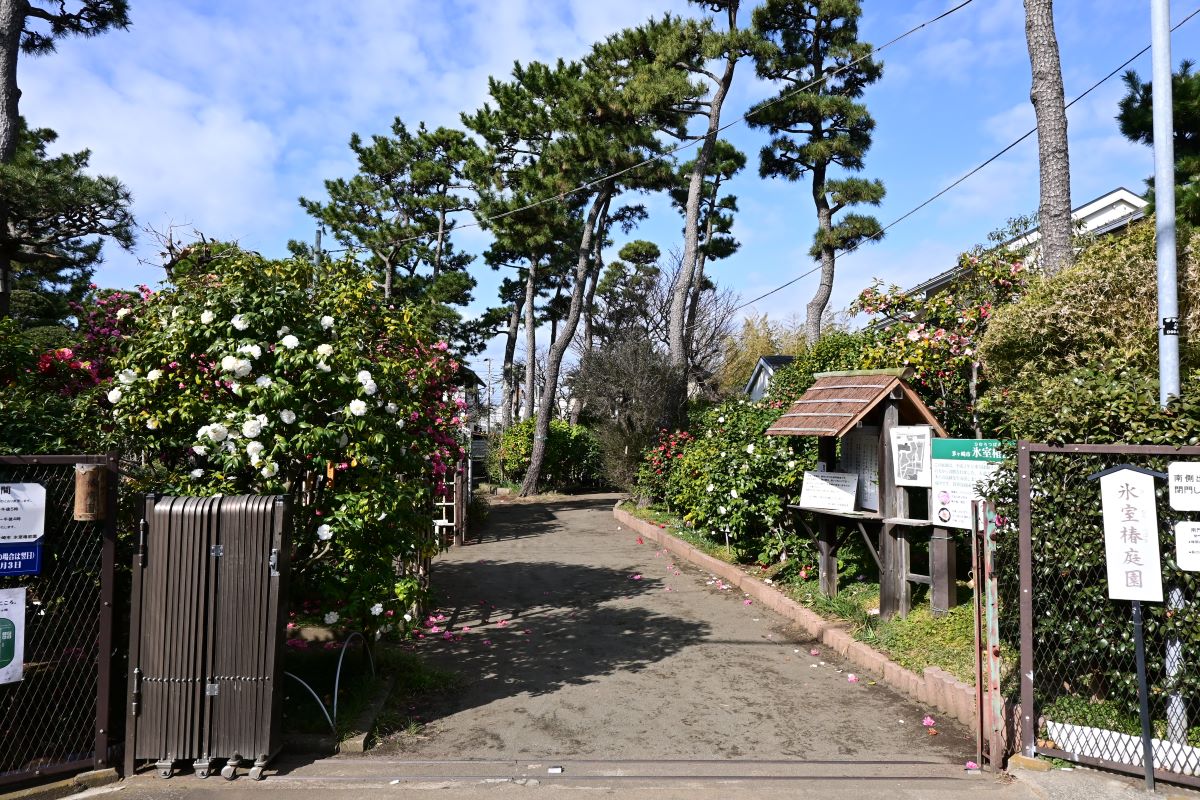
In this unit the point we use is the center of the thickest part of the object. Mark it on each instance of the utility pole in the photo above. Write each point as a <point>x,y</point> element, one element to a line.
<point>1168,301</point>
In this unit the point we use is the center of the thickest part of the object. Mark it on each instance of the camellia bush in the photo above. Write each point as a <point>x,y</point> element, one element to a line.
<point>572,454</point>
<point>250,375</point>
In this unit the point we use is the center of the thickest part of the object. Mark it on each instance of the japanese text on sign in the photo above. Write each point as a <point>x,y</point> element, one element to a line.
<point>1131,536</point>
<point>829,491</point>
<point>12,635</point>
<point>959,467</point>
<point>1183,483</point>
<point>22,512</point>
<point>1187,546</point>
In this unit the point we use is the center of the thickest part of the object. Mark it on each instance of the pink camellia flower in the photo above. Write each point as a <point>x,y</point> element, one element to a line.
<point>928,722</point>
<point>852,678</point>
<point>814,652</point>
<point>971,765</point>
<point>747,602</point>
<point>503,623</point>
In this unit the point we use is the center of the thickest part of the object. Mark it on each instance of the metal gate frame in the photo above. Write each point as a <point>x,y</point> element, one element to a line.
<point>99,758</point>
<point>1029,713</point>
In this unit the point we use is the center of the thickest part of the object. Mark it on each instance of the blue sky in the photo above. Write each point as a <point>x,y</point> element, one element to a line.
<point>218,114</point>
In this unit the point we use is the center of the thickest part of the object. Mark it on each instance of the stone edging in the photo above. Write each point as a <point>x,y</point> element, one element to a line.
<point>934,688</point>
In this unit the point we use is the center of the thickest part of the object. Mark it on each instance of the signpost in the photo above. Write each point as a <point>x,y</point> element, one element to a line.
<point>958,467</point>
<point>12,634</point>
<point>1134,568</point>
<point>910,456</point>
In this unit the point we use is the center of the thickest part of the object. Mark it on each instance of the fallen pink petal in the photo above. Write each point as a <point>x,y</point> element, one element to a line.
<point>814,652</point>
<point>852,678</point>
<point>503,623</point>
<point>928,722</point>
<point>747,602</point>
<point>971,765</point>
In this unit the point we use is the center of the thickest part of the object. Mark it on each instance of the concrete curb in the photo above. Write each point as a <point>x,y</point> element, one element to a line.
<point>934,688</point>
<point>65,787</point>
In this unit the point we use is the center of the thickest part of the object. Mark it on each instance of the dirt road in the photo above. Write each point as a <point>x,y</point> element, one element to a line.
<point>584,643</point>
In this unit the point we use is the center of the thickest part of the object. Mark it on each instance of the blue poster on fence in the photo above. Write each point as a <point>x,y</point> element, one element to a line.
<point>21,559</point>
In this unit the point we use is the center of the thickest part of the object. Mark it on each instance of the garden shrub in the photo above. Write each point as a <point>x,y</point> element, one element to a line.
<point>242,376</point>
<point>572,454</point>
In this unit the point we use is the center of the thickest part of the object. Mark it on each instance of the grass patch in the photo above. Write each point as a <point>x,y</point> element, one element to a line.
<point>418,688</point>
<point>676,527</point>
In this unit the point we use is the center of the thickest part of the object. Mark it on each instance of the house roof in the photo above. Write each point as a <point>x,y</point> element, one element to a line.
<point>768,363</point>
<point>838,401</point>
<point>775,362</point>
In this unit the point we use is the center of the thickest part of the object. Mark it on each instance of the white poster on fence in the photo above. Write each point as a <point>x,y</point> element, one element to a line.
<point>22,512</point>
<point>860,456</point>
<point>12,634</point>
<point>1183,485</point>
<point>910,455</point>
<point>1187,546</point>
<point>1131,536</point>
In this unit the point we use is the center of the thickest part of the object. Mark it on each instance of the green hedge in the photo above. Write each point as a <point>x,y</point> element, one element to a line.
<point>572,455</point>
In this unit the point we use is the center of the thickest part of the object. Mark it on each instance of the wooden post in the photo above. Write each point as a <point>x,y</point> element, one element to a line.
<point>943,572</point>
<point>894,594</point>
<point>826,526</point>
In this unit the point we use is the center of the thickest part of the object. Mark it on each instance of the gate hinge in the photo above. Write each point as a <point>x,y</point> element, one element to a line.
<point>135,701</point>
<point>143,529</point>
<point>217,550</point>
<point>212,689</point>
<point>273,562</point>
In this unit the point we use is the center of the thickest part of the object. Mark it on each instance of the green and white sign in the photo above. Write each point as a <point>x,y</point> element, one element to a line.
<point>12,634</point>
<point>959,465</point>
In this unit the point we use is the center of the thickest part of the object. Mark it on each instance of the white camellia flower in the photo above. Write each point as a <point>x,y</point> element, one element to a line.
<point>122,313</point>
<point>290,342</point>
<point>217,432</point>
<point>408,617</point>
<point>152,424</point>
<point>370,388</point>
<point>254,350</point>
<point>197,473</point>
<point>229,363</point>
<point>270,470</point>
<point>377,609</point>
<point>791,465</point>
<point>363,377</point>
<point>239,322</point>
<point>750,449</point>
<point>321,365</point>
<point>357,408</point>
<point>331,617</point>
<point>721,510</point>
<point>251,428</point>
<point>733,493</point>
<point>288,416</point>
<point>115,396</point>
<point>326,322</point>
<point>206,317</point>
<point>720,419</point>
<point>154,374</point>
<point>392,408</point>
<point>243,367</point>
<point>200,450</point>
<point>325,350</point>
<point>324,533</point>
<point>127,376</point>
<point>263,381</point>
<point>254,450</point>
<point>711,487</point>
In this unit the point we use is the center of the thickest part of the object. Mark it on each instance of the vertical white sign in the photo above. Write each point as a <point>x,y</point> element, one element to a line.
<point>12,634</point>
<point>1131,536</point>
<point>911,459</point>
<point>1187,546</point>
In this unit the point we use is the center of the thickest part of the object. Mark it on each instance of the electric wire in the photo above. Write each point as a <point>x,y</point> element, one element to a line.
<point>964,177</point>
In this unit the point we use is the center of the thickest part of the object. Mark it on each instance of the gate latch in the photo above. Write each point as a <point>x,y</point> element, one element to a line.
<point>273,562</point>
<point>217,550</point>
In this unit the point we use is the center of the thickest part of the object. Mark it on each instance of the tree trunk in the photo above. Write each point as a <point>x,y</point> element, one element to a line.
<point>684,280</point>
<point>816,306</point>
<point>1046,94</point>
<point>506,376</point>
<point>388,272</point>
<point>530,339</point>
<point>558,348</point>
<point>441,240</point>
<point>12,21</point>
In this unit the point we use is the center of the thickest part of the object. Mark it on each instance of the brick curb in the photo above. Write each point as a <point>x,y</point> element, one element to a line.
<point>934,688</point>
<point>65,787</point>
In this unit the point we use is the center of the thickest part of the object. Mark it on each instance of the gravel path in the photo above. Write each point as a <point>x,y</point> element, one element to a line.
<point>584,643</point>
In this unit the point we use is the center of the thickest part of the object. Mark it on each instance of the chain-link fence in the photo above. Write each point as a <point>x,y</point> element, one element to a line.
<point>1078,685</point>
<point>56,718</point>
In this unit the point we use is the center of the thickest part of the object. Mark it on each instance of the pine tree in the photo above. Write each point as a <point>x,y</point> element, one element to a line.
<point>33,27</point>
<point>398,212</point>
<point>1136,120</point>
<point>816,124</point>
<point>58,217</point>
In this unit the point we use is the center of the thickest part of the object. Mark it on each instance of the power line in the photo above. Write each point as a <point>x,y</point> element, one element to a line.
<point>960,180</point>
<point>693,142</point>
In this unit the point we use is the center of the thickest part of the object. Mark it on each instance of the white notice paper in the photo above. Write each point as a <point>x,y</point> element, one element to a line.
<point>22,512</point>
<point>828,491</point>
<point>1131,536</point>
<point>1183,483</point>
<point>1187,546</point>
<point>911,456</point>
<point>12,634</point>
